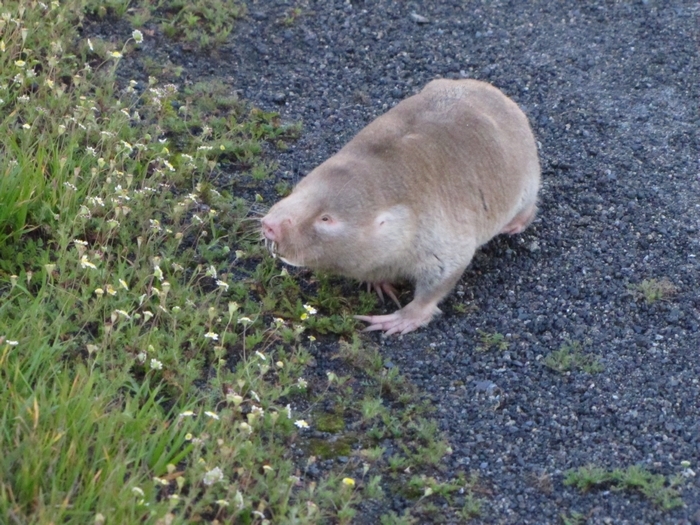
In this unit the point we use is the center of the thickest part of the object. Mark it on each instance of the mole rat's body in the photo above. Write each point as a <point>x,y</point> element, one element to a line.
<point>413,195</point>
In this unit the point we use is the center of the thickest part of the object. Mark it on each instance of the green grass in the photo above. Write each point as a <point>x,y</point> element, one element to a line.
<point>662,492</point>
<point>571,358</point>
<point>155,363</point>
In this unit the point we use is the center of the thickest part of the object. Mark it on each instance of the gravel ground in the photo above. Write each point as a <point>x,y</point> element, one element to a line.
<point>612,91</point>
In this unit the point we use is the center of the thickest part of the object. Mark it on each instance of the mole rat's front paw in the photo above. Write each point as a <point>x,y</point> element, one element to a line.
<point>403,321</point>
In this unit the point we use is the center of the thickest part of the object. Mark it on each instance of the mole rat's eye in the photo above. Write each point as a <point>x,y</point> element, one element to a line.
<point>325,218</point>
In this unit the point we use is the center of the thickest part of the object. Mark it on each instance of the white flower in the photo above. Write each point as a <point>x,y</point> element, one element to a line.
<point>300,423</point>
<point>212,415</point>
<point>222,285</point>
<point>187,413</point>
<point>211,335</point>
<point>137,491</point>
<point>215,475</point>
<point>137,36</point>
<point>310,309</point>
<point>85,263</point>
<point>156,365</point>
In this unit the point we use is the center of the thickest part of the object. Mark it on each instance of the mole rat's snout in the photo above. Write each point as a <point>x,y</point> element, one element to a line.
<point>272,227</point>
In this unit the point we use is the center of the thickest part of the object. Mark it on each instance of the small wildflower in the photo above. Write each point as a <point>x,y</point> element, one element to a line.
<point>212,415</point>
<point>20,63</point>
<point>123,314</point>
<point>211,335</point>
<point>310,309</point>
<point>268,468</point>
<point>111,290</point>
<point>245,427</point>
<point>12,343</point>
<point>288,409</point>
<point>26,126</point>
<point>186,413</point>
<point>235,399</point>
<point>115,54</point>
<point>99,292</point>
<point>141,357</point>
<point>348,482</point>
<point>147,315</point>
<point>279,364</point>
<point>304,316</point>
<point>124,285</point>
<point>245,321</point>
<point>85,263</point>
<point>260,355</point>
<point>174,497</point>
<point>312,338</point>
<point>89,42</point>
<point>222,285</point>
<point>302,383</point>
<point>222,503</point>
<point>160,481</point>
<point>137,491</point>
<point>189,436</point>
<point>300,423</point>
<point>157,272</point>
<point>137,36</point>
<point>215,475</point>
<point>156,365</point>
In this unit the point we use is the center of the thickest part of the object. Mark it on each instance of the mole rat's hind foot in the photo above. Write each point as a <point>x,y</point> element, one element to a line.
<point>408,319</point>
<point>382,288</point>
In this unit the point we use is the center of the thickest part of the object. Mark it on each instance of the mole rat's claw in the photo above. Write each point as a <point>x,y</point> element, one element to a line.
<point>400,322</point>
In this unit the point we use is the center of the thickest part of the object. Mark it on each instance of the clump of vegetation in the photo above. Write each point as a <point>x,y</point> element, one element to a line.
<point>661,491</point>
<point>491,341</point>
<point>203,23</point>
<point>570,357</point>
<point>653,290</point>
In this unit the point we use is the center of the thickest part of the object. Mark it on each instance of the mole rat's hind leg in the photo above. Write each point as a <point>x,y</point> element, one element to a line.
<point>521,221</point>
<point>420,311</point>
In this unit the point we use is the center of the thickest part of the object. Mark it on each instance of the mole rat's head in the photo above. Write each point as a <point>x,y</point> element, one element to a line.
<point>335,221</point>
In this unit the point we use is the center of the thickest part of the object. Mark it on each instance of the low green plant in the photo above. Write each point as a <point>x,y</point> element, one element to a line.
<point>661,491</point>
<point>653,290</point>
<point>570,358</point>
<point>203,23</point>
<point>575,518</point>
<point>491,341</point>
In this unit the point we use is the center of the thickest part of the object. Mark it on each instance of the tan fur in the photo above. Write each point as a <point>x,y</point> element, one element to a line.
<point>414,194</point>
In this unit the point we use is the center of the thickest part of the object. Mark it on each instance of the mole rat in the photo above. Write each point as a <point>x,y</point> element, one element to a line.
<point>413,195</point>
